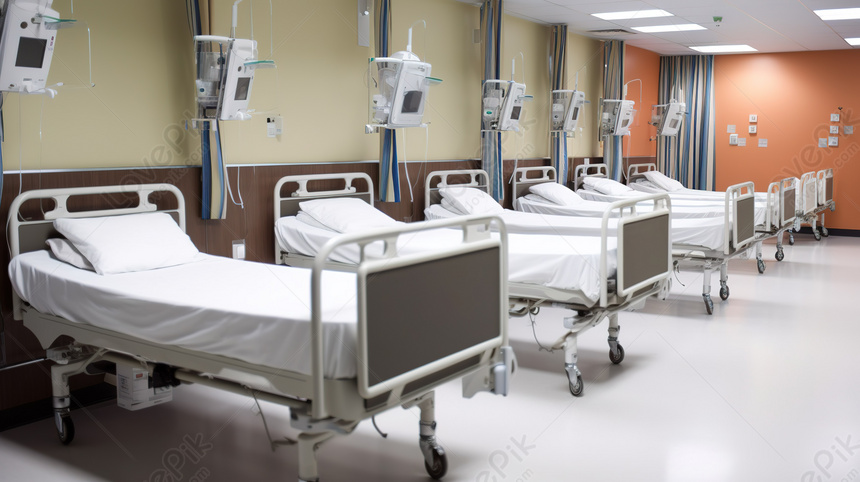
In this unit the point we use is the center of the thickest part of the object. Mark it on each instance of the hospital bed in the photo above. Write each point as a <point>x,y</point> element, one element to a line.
<point>816,189</point>
<point>595,277</point>
<point>335,348</point>
<point>779,203</point>
<point>708,253</point>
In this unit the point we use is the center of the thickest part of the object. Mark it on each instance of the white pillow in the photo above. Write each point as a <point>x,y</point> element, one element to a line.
<point>664,181</point>
<point>449,206</point>
<point>469,200</point>
<point>346,214</point>
<point>65,251</point>
<point>606,186</point>
<point>134,242</point>
<point>535,198</point>
<point>556,193</point>
<point>307,219</point>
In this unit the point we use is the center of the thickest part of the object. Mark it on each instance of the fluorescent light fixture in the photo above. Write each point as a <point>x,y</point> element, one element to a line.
<point>853,41</point>
<point>838,13</point>
<point>669,28</point>
<point>633,14</point>
<point>722,49</point>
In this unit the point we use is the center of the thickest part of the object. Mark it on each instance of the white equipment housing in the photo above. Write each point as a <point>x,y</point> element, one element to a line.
<point>566,109</point>
<point>225,78</point>
<point>616,117</point>
<point>397,91</point>
<point>668,118</point>
<point>27,45</point>
<point>503,104</point>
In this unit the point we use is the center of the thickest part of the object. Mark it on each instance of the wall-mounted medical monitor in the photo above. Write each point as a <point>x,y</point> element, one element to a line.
<point>668,118</point>
<point>502,105</point>
<point>397,91</point>
<point>26,46</point>
<point>616,117</point>
<point>567,106</point>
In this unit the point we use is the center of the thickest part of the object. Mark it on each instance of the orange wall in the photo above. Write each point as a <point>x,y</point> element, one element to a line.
<point>793,95</point>
<point>644,65</point>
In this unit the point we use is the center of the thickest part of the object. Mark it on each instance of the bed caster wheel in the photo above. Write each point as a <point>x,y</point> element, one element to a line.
<point>65,427</point>
<point>824,232</point>
<point>779,255</point>
<point>724,293</point>
<point>616,359</point>
<point>761,266</point>
<point>791,239</point>
<point>438,467</point>
<point>709,304</point>
<point>576,387</point>
<point>817,235</point>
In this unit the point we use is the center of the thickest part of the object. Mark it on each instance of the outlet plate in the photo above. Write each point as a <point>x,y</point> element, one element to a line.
<point>239,249</point>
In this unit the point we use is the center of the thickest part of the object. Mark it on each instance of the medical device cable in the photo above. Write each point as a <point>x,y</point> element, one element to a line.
<point>406,168</point>
<point>534,332</point>
<point>241,203</point>
<point>373,420</point>
<point>273,444</point>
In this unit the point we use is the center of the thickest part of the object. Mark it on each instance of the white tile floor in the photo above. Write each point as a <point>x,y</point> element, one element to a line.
<point>766,389</point>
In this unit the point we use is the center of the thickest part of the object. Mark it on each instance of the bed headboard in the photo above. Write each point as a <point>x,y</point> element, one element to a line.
<point>28,234</point>
<point>740,205</point>
<point>808,193</point>
<point>585,170</point>
<point>522,181</point>
<point>637,171</point>
<point>476,178</point>
<point>825,186</point>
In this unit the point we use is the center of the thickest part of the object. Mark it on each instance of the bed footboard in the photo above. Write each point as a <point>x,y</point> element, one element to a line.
<point>739,217</point>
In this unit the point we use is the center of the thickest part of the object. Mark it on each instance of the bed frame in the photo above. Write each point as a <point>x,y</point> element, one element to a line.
<point>319,407</point>
<point>816,190</point>
<point>643,269</point>
<point>740,232</point>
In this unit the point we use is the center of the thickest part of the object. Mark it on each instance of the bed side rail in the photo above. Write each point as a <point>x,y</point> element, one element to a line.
<point>522,179</point>
<point>436,180</point>
<point>391,311</point>
<point>27,235</point>
<point>288,205</point>
<point>739,217</point>
<point>825,186</point>
<point>635,171</point>
<point>808,194</point>
<point>585,170</point>
<point>644,244</point>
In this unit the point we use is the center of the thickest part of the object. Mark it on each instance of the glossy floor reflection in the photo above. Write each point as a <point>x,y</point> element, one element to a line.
<point>766,389</point>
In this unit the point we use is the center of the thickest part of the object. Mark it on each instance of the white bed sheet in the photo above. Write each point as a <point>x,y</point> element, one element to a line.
<point>561,262</point>
<point>596,208</point>
<point>254,312</point>
<point>707,232</point>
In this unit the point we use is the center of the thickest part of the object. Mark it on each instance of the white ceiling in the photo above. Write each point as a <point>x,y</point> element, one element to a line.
<point>766,25</point>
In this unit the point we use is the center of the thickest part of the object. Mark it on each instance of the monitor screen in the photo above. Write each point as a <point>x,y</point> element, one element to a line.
<point>575,113</point>
<point>31,52</point>
<point>243,85</point>
<point>412,101</point>
<point>515,113</point>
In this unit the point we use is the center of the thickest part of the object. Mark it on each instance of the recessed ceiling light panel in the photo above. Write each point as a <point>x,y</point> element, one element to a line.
<point>669,28</point>
<point>838,13</point>
<point>722,49</point>
<point>632,14</point>
<point>853,41</point>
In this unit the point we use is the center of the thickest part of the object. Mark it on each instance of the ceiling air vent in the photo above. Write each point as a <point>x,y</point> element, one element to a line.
<point>611,32</point>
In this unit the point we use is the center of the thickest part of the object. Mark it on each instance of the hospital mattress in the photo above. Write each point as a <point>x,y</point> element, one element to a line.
<point>257,313</point>
<point>529,204</point>
<point>559,262</point>
<point>707,232</point>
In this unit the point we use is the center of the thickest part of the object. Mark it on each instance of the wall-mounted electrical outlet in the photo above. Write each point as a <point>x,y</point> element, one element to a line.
<point>274,126</point>
<point>239,249</point>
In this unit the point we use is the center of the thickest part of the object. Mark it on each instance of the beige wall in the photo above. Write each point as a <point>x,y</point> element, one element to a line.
<point>585,55</point>
<point>144,70</point>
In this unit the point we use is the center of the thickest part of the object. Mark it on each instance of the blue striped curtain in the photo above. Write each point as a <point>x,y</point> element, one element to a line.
<point>558,70</point>
<point>389,172</point>
<point>689,157</point>
<point>491,142</point>
<point>613,85</point>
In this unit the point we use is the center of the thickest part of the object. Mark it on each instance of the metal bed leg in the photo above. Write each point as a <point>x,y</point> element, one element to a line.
<point>758,261</point>
<point>724,279</point>
<point>823,229</point>
<point>706,289</point>
<point>780,255</point>
<point>62,400</point>
<point>616,351</point>
<point>308,445</point>
<point>574,376</point>
<point>814,224</point>
<point>435,459</point>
